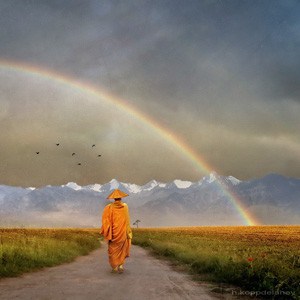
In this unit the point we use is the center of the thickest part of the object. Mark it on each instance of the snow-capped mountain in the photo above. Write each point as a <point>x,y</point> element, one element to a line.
<point>73,186</point>
<point>180,184</point>
<point>151,185</point>
<point>95,187</point>
<point>210,178</point>
<point>272,199</point>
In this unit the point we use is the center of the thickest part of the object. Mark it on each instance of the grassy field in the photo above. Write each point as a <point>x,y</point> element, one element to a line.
<point>260,259</point>
<point>23,250</point>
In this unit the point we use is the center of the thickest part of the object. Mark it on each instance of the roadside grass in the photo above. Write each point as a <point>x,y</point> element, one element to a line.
<point>24,250</point>
<point>262,259</point>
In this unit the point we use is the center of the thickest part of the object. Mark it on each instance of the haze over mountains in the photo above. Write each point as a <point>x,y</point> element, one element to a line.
<point>273,199</point>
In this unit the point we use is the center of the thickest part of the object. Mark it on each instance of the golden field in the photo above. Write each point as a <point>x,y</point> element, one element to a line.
<point>23,250</point>
<point>256,258</point>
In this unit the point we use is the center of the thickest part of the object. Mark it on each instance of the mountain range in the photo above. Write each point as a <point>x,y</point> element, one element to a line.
<point>273,199</point>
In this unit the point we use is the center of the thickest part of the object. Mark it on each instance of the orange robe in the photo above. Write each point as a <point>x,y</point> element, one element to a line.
<point>116,230</point>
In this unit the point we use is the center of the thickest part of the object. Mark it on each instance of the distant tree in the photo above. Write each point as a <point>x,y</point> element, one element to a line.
<point>137,223</point>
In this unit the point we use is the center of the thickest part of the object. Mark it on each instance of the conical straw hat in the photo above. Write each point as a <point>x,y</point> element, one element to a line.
<point>117,194</point>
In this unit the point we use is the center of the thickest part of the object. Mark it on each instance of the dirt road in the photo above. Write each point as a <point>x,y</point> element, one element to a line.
<point>89,277</point>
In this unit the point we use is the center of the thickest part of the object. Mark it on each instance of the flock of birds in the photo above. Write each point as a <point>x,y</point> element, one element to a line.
<point>73,154</point>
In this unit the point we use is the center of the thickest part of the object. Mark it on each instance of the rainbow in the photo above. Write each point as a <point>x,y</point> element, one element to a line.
<point>166,134</point>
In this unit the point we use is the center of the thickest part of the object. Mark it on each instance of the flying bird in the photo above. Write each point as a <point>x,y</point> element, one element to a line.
<point>73,153</point>
<point>79,164</point>
<point>37,152</point>
<point>57,144</point>
<point>93,145</point>
<point>99,155</point>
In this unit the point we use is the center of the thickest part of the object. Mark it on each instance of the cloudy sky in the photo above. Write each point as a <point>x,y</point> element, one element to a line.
<point>222,76</point>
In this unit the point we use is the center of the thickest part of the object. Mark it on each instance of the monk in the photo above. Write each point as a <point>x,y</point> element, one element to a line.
<point>116,230</point>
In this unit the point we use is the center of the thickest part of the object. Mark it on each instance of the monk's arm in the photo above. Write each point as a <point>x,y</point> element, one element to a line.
<point>128,228</point>
<point>106,229</point>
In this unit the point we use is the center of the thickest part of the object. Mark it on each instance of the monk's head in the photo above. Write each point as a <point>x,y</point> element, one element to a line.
<point>117,195</point>
<point>118,199</point>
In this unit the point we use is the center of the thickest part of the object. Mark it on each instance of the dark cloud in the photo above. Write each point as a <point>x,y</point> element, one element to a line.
<point>283,82</point>
<point>212,71</point>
